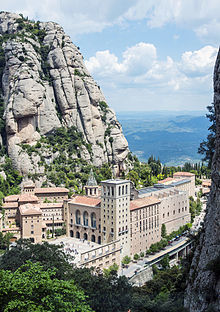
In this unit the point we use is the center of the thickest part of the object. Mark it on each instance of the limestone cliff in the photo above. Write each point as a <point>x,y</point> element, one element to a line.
<point>203,291</point>
<point>45,85</point>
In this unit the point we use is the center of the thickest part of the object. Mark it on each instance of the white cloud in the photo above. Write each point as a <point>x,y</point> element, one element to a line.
<point>136,60</point>
<point>201,15</point>
<point>78,17</point>
<point>140,68</point>
<point>198,62</point>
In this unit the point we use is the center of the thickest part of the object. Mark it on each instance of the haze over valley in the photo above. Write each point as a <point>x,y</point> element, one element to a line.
<point>174,137</point>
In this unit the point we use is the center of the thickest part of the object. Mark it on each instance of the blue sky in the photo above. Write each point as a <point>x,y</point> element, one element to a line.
<point>145,54</point>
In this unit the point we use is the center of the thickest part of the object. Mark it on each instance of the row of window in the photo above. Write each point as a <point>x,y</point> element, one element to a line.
<point>85,218</point>
<point>174,212</point>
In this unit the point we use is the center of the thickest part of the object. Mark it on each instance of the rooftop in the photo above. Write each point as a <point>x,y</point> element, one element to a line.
<point>85,200</point>
<point>143,202</point>
<point>10,205</point>
<point>11,198</point>
<point>115,181</point>
<point>47,190</point>
<point>30,209</point>
<point>183,173</point>
<point>27,198</point>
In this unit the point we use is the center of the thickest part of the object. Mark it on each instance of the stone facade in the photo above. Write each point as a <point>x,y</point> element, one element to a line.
<point>145,224</point>
<point>103,256</point>
<point>136,224</point>
<point>28,215</point>
<point>83,218</point>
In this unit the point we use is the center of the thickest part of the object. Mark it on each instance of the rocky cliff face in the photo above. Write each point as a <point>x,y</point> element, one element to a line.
<point>45,85</point>
<point>203,291</point>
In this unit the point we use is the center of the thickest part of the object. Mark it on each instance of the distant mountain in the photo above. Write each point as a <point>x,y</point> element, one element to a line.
<point>173,137</point>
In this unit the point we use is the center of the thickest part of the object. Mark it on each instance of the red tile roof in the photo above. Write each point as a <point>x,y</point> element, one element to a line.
<point>10,205</point>
<point>46,190</point>
<point>29,209</point>
<point>27,198</point>
<point>184,174</point>
<point>11,198</point>
<point>143,202</point>
<point>85,200</point>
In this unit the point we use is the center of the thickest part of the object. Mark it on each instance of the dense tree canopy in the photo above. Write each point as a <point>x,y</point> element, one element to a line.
<point>31,288</point>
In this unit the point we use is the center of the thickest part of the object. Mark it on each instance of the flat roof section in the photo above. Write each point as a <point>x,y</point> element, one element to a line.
<point>115,181</point>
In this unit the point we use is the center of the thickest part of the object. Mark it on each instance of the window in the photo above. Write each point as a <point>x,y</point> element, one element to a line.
<point>85,218</point>
<point>93,220</point>
<point>32,232</point>
<point>78,218</point>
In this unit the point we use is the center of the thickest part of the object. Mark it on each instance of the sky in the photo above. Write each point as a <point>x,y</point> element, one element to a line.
<point>146,55</point>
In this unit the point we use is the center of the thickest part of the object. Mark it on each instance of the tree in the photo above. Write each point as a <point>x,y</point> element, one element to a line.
<point>126,260</point>
<point>105,293</point>
<point>136,256</point>
<point>207,148</point>
<point>50,257</point>
<point>30,288</point>
<point>113,268</point>
<point>165,262</point>
<point>163,231</point>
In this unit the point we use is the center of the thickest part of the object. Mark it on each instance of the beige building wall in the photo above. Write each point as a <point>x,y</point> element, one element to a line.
<point>57,194</point>
<point>174,207</point>
<point>31,222</point>
<point>52,215</point>
<point>115,213</point>
<point>83,218</point>
<point>102,257</point>
<point>145,225</point>
<point>10,214</point>
<point>190,176</point>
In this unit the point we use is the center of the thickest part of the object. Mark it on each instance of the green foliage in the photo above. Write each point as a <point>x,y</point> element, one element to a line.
<point>60,232</point>
<point>113,268</point>
<point>103,106</point>
<point>195,207</point>
<point>105,293</point>
<point>5,240</point>
<point>207,147</point>
<point>30,288</point>
<point>50,256</point>
<point>78,73</point>
<point>136,257</point>
<point>165,293</point>
<point>126,260</point>
<point>163,231</point>
<point>13,178</point>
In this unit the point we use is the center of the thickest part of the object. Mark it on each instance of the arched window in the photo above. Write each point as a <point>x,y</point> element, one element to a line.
<point>85,236</point>
<point>77,235</point>
<point>93,238</point>
<point>126,189</point>
<point>78,219</point>
<point>85,218</point>
<point>123,190</point>
<point>93,220</point>
<point>119,191</point>
<point>71,233</point>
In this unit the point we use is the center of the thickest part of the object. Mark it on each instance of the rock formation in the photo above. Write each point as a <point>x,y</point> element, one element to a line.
<point>45,85</point>
<point>203,291</point>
